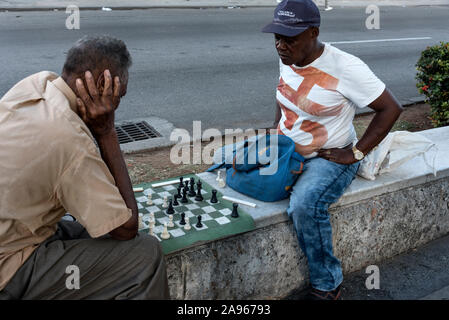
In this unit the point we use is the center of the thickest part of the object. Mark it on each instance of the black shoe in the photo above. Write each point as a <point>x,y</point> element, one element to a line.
<point>315,294</point>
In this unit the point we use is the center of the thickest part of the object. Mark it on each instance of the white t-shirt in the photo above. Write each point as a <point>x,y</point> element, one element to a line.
<point>318,101</point>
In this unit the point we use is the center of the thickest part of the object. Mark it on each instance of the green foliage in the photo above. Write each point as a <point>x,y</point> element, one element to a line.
<point>433,81</point>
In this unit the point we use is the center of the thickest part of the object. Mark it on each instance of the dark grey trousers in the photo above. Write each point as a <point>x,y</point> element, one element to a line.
<point>108,268</point>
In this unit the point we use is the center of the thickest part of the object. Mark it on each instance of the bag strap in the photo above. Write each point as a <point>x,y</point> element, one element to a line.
<point>297,156</point>
<point>233,165</point>
<point>300,169</point>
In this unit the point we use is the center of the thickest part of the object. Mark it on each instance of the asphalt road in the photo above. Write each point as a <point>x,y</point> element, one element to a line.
<point>214,65</point>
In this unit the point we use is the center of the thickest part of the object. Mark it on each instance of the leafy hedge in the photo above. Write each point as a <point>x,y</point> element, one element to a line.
<point>433,81</point>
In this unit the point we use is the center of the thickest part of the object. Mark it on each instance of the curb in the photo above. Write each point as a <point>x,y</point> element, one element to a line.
<point>405,103</point>
<point>162,126</point>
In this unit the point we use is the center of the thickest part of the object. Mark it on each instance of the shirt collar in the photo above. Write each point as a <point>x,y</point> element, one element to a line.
<point>67,91</point>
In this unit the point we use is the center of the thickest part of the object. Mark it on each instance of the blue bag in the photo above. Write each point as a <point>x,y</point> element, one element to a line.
<point>262,167</point>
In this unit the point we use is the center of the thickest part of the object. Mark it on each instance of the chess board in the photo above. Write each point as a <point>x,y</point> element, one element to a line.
<point>216,217</point>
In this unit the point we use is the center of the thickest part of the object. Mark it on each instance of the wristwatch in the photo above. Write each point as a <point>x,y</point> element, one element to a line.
<point>358,155</point>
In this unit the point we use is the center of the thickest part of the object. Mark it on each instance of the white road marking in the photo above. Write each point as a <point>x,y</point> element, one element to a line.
<point>380,40</point>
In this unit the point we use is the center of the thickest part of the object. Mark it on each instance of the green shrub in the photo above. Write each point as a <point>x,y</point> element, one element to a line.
<point>433,81</point>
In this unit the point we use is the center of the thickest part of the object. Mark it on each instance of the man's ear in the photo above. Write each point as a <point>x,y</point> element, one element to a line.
<point>100,83</point>
<point>314,32</point>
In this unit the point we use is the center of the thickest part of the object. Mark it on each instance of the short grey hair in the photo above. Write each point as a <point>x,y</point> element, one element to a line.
<point>93,52</point>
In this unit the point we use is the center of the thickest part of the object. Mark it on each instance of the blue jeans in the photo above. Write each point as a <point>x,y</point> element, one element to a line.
<point>322,183</point>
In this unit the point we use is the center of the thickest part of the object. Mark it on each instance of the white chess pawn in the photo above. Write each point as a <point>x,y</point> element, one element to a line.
<point>218,176</point>
<point>141,226</point>
<point>149,201</point>
<point>221,183</point>
<point>151,232</point>
<point>165,235</point>
<point>187,225</point>
<point>152,217</point>
<point>170,221</point>
<point>165,204</point>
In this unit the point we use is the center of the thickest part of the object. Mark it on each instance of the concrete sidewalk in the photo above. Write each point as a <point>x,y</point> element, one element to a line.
<point>418,274</point>
<point>148,4</point>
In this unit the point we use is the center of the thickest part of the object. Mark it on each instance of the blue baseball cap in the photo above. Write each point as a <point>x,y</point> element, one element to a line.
<point>292,17</point>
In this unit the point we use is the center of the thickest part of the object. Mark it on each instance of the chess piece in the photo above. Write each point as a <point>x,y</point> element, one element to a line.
<point>165,235</point>
<point>218,176</point>
<point>186,186</point>
<point>170,221</point>
<point>199,196</point>
<point>187,226</point>
<point>214,199</point>
<point>151,231</point>
<point>184,196</point>
<point>199,224</point>
<point>221,183</point>
<point>192,192</point>
<point>183,219</point>
<point>180,182</point>
<point>165,204</point>
<point>178,195</point>
<point>175,200</point>
<point>152,220</point>
<point>234,213</point>
<point>170,209</point>
<point>141,225</point>
<point>149,201</point>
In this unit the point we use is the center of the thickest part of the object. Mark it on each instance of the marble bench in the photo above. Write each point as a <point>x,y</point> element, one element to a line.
<point>374,220</point>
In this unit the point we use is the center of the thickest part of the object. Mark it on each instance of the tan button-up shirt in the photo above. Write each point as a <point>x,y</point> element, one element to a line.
<point>49,165</point>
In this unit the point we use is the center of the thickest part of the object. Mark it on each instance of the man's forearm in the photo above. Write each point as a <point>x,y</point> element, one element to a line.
<point>388,110</point>
<point>112,156</point>
<point>378,129</point>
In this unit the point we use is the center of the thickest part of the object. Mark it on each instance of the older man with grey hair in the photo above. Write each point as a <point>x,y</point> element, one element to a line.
<point>59,153</point>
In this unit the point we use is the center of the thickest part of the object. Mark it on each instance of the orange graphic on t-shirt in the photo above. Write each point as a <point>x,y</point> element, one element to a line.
<point>312,76</point>
<point>317,130</point>
<point>290,116</point>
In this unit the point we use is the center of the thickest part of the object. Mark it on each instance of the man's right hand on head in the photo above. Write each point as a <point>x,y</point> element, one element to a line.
<point>95,109</point>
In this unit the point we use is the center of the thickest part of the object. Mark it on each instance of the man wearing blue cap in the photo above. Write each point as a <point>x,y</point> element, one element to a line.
<point>319,89</point>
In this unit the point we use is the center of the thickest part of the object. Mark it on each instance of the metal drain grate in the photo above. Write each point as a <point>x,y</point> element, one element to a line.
<point>131,132</point>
